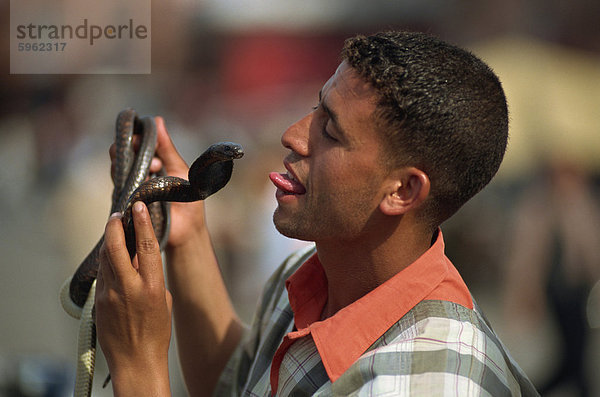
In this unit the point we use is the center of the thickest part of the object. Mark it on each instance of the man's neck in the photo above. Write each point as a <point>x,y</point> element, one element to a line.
<point>354,269</point>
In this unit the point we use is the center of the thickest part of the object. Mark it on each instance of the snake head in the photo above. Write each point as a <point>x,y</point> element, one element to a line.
<point>224,151</point>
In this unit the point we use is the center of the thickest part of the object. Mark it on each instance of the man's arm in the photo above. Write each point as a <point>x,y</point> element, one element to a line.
<point>207,327</point>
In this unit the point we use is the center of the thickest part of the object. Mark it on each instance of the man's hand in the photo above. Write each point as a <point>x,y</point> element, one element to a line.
<point>133,309</point>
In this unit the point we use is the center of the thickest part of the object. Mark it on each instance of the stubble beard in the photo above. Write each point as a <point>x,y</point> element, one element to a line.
<point>319,221</point>
<point>293,225</point>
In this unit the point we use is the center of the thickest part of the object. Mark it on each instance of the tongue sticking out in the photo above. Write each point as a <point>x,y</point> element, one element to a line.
<point>287,185</point>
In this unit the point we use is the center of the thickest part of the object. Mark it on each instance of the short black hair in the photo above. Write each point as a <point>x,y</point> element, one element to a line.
<point>443,110</point>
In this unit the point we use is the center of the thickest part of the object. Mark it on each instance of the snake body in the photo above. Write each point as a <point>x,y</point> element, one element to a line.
<point>207,175</point>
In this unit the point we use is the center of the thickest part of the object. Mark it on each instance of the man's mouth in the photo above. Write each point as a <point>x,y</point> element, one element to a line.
<point>287,183</point>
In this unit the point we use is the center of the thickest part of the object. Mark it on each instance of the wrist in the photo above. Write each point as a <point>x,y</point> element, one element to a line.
<point>151,380</point>
<point>187,224</point>
<point>193,238</point>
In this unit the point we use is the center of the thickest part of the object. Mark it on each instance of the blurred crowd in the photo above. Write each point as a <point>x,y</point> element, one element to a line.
<point>244,70</point>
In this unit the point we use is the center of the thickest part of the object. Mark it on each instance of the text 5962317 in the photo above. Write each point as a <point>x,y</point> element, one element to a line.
<point>41,47</point>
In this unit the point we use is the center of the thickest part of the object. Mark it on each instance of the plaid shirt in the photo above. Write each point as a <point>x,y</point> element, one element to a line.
<point>435,341</point>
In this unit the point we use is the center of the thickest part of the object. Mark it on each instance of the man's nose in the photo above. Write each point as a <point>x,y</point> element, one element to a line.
<point>295,137</point>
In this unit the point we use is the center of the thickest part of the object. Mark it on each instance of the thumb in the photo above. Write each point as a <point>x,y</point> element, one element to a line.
<point>166,151</point>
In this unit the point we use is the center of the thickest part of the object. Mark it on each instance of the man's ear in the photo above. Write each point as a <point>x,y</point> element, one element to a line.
<point>408,188</point>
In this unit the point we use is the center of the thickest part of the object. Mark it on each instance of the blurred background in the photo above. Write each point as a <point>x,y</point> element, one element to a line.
<point>243,70</point>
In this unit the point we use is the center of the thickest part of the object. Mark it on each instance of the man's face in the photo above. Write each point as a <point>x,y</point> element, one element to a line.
<point>335,171</point>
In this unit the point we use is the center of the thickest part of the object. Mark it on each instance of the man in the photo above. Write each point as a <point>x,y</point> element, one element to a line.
<point>405,132</point>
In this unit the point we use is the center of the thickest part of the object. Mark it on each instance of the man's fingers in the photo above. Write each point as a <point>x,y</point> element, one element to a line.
<point>146,245</point>
<point>115,249</point>
<point>99,278</point>
<point>105,272</point>
<point>155,165</point>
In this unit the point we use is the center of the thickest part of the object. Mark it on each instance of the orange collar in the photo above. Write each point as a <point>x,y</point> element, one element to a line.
<point>344,337</point>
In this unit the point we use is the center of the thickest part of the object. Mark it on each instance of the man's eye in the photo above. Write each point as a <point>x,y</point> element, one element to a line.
<point>327,135</point>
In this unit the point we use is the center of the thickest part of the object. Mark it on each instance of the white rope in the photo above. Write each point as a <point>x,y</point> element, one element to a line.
<point>86,351</point>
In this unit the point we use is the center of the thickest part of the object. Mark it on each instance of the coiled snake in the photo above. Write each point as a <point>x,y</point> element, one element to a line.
<point>208,174</point>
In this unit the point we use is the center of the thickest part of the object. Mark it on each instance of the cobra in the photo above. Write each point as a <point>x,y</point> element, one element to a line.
<point>208,174</point>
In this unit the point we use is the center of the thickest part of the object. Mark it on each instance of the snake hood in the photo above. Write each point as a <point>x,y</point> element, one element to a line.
<point>212,170</point>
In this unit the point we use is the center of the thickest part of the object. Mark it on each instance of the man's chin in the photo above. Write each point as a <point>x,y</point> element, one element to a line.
<point>289,228</point>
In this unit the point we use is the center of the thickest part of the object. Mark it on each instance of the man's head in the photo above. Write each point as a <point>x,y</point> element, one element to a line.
<point>407,125</point>
<point>442,110</point>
